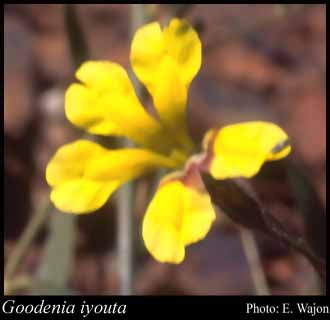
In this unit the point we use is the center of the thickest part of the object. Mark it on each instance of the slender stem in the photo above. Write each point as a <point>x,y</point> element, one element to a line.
<point>77,43</point>
<point>125,252</point>
<point>138,17</point>
<point>26,239</point>
<point>125,195</point>
<point>253,259</point>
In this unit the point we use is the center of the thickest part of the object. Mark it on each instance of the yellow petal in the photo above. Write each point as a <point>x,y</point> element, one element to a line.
<point>72,191</point>
<point>71,160</point>
<point>83,109</point>
<point>125,164</point>
<point>177,216</point>
<point>184,46</point>
<point>104,76</point>
<point>147,50</point>
<point>239,150</point>
<point>170,100</point>
<point>208,136</point>
<point>150,45</point>
<point>82,195</point>
<point>198,216</point>
<point>166,62</point>
<point>160,229</point>
<point>283,150</point>
<point>106,104</point>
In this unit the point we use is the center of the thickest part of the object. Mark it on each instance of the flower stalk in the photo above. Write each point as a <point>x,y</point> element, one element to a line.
<point>253,259</point>
<point>126,193</point>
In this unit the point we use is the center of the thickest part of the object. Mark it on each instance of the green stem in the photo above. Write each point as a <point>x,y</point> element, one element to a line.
<point>253,258</point>
<point>26,239</point>
<point>78,47</point>
<point>125,252</point>
<point>125,196</point>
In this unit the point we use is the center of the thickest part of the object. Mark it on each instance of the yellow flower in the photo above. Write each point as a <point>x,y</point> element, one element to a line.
<point>83,174</point>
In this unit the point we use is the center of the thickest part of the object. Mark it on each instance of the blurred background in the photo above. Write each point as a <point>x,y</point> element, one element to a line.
<point>260,62</point>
